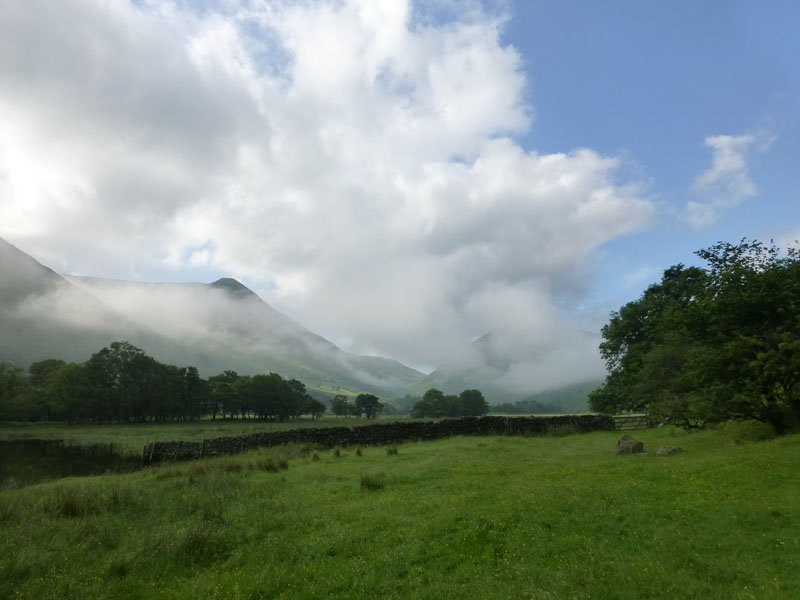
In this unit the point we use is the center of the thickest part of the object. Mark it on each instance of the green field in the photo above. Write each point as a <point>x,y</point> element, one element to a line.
<point>498,517</point>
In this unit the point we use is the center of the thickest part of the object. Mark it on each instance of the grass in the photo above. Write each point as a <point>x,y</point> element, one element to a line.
<point>499,517</point>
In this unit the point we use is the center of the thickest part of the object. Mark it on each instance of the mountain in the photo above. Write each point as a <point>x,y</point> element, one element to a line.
<point>42,315</point>
<point>217,326</point>
<point>514,367</point>
<point>571,398</point>
<point>228,321</point>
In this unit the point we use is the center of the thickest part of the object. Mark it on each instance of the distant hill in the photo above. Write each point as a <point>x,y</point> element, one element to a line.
<point>571,398</point>
<point>505,375</point>
<point>224,325</point>
<point>42,315</point>
<point>217,326</point>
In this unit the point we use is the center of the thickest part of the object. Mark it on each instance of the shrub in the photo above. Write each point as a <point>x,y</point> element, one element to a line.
<point>561,430</point>
<point>66,502</point>
<point>305,450</point>
<point>373,482</point>
<point>198,469</point>
<point>202,545</point>
<point>266,464</point>
<point>233,466</point>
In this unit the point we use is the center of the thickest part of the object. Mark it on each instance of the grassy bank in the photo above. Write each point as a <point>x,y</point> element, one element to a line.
<point>502,517</point>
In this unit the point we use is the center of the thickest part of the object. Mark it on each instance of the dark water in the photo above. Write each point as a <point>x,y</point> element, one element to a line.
<point>24,462</point>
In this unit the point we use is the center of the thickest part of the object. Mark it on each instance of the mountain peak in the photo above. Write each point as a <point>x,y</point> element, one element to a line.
<point>233,287</point>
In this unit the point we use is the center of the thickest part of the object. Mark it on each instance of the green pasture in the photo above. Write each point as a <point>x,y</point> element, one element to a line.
<point>494,517</point>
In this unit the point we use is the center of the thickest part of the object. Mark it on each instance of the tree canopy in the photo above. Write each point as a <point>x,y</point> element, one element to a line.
<point>707,345</point>
<point>368,405</point>
<point>122,383</point>
<point>435,403</point>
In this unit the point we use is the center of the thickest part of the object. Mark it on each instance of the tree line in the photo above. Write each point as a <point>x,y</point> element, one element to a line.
<point>366,404</point>
<point>435,403</point>
<point>706,345</point>
<point>121,383</point>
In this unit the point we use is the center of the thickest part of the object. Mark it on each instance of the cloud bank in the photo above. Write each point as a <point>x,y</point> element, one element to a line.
<point>356,162</point>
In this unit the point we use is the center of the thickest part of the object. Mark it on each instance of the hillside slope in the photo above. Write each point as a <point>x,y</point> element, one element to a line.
<point>217,326</point>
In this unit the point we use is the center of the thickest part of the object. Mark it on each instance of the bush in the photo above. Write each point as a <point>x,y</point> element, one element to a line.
<point>66,503</point>
<point>202,545</point>
<point>233,466</point>
<point>561,430</point>
<point>198,469</point>
<point>373,482</point>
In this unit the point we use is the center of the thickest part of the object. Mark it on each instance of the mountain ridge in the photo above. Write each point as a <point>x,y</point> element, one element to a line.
<point>214,326</point>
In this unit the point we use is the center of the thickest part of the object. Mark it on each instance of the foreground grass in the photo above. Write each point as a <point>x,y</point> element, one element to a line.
<point>502,517</point>
<point>131,438</point>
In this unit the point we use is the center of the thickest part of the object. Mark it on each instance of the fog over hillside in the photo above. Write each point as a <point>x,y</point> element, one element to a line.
<point>42,315</point>
<point>517,358</point>
<point>225,325</point>
<point>226,318</point>
<point>215,327</point>
<point>509,368</point>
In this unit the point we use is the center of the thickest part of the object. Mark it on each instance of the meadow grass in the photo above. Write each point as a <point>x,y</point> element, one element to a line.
<point>493,517</point>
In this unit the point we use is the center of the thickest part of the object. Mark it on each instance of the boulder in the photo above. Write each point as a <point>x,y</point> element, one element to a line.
<point>629,445</point>
<point>667,450</point>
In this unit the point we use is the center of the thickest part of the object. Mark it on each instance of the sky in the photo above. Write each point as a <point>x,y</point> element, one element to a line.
<point>401,177</point>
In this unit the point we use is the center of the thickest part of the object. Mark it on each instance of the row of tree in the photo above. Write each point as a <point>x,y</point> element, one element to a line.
<point>364,404</point>
<point>525,407</point>
<point>707,345</point>
<point>122,383</point>
<point>435,403</point>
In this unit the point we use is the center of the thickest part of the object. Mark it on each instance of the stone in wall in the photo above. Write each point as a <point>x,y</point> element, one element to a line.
<point>375,435</point>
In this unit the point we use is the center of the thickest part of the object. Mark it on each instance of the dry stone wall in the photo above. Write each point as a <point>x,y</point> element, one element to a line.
<point>376,435</point>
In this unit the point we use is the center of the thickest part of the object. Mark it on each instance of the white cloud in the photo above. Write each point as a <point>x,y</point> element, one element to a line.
<point>727,182</point>
<point>359,162</point>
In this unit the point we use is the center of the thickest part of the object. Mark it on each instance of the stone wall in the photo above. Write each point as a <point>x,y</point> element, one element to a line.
<point>378,434</point>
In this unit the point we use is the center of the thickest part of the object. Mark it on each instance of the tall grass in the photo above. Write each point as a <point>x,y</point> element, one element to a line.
<point>550,517</point>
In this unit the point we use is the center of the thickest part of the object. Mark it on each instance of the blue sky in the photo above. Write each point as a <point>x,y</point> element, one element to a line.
<point>402,177</point>
<point>651,81</point>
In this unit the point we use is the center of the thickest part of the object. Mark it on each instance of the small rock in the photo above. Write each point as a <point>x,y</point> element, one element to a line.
<point>629,445</point>
<point>667,450</point>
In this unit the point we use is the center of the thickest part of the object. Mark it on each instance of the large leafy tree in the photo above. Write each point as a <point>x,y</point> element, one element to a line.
<point>313,407</point>
<point>472,403</point>
<point>436,403</point>
<point>13,387</point>
<point>223,393</point>
<point>341,406</point>
<point>368,405</point>
<point>708,345</point>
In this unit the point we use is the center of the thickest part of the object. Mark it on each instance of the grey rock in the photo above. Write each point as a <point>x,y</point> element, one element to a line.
<point>667,450</point>
<point>629,445</point>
